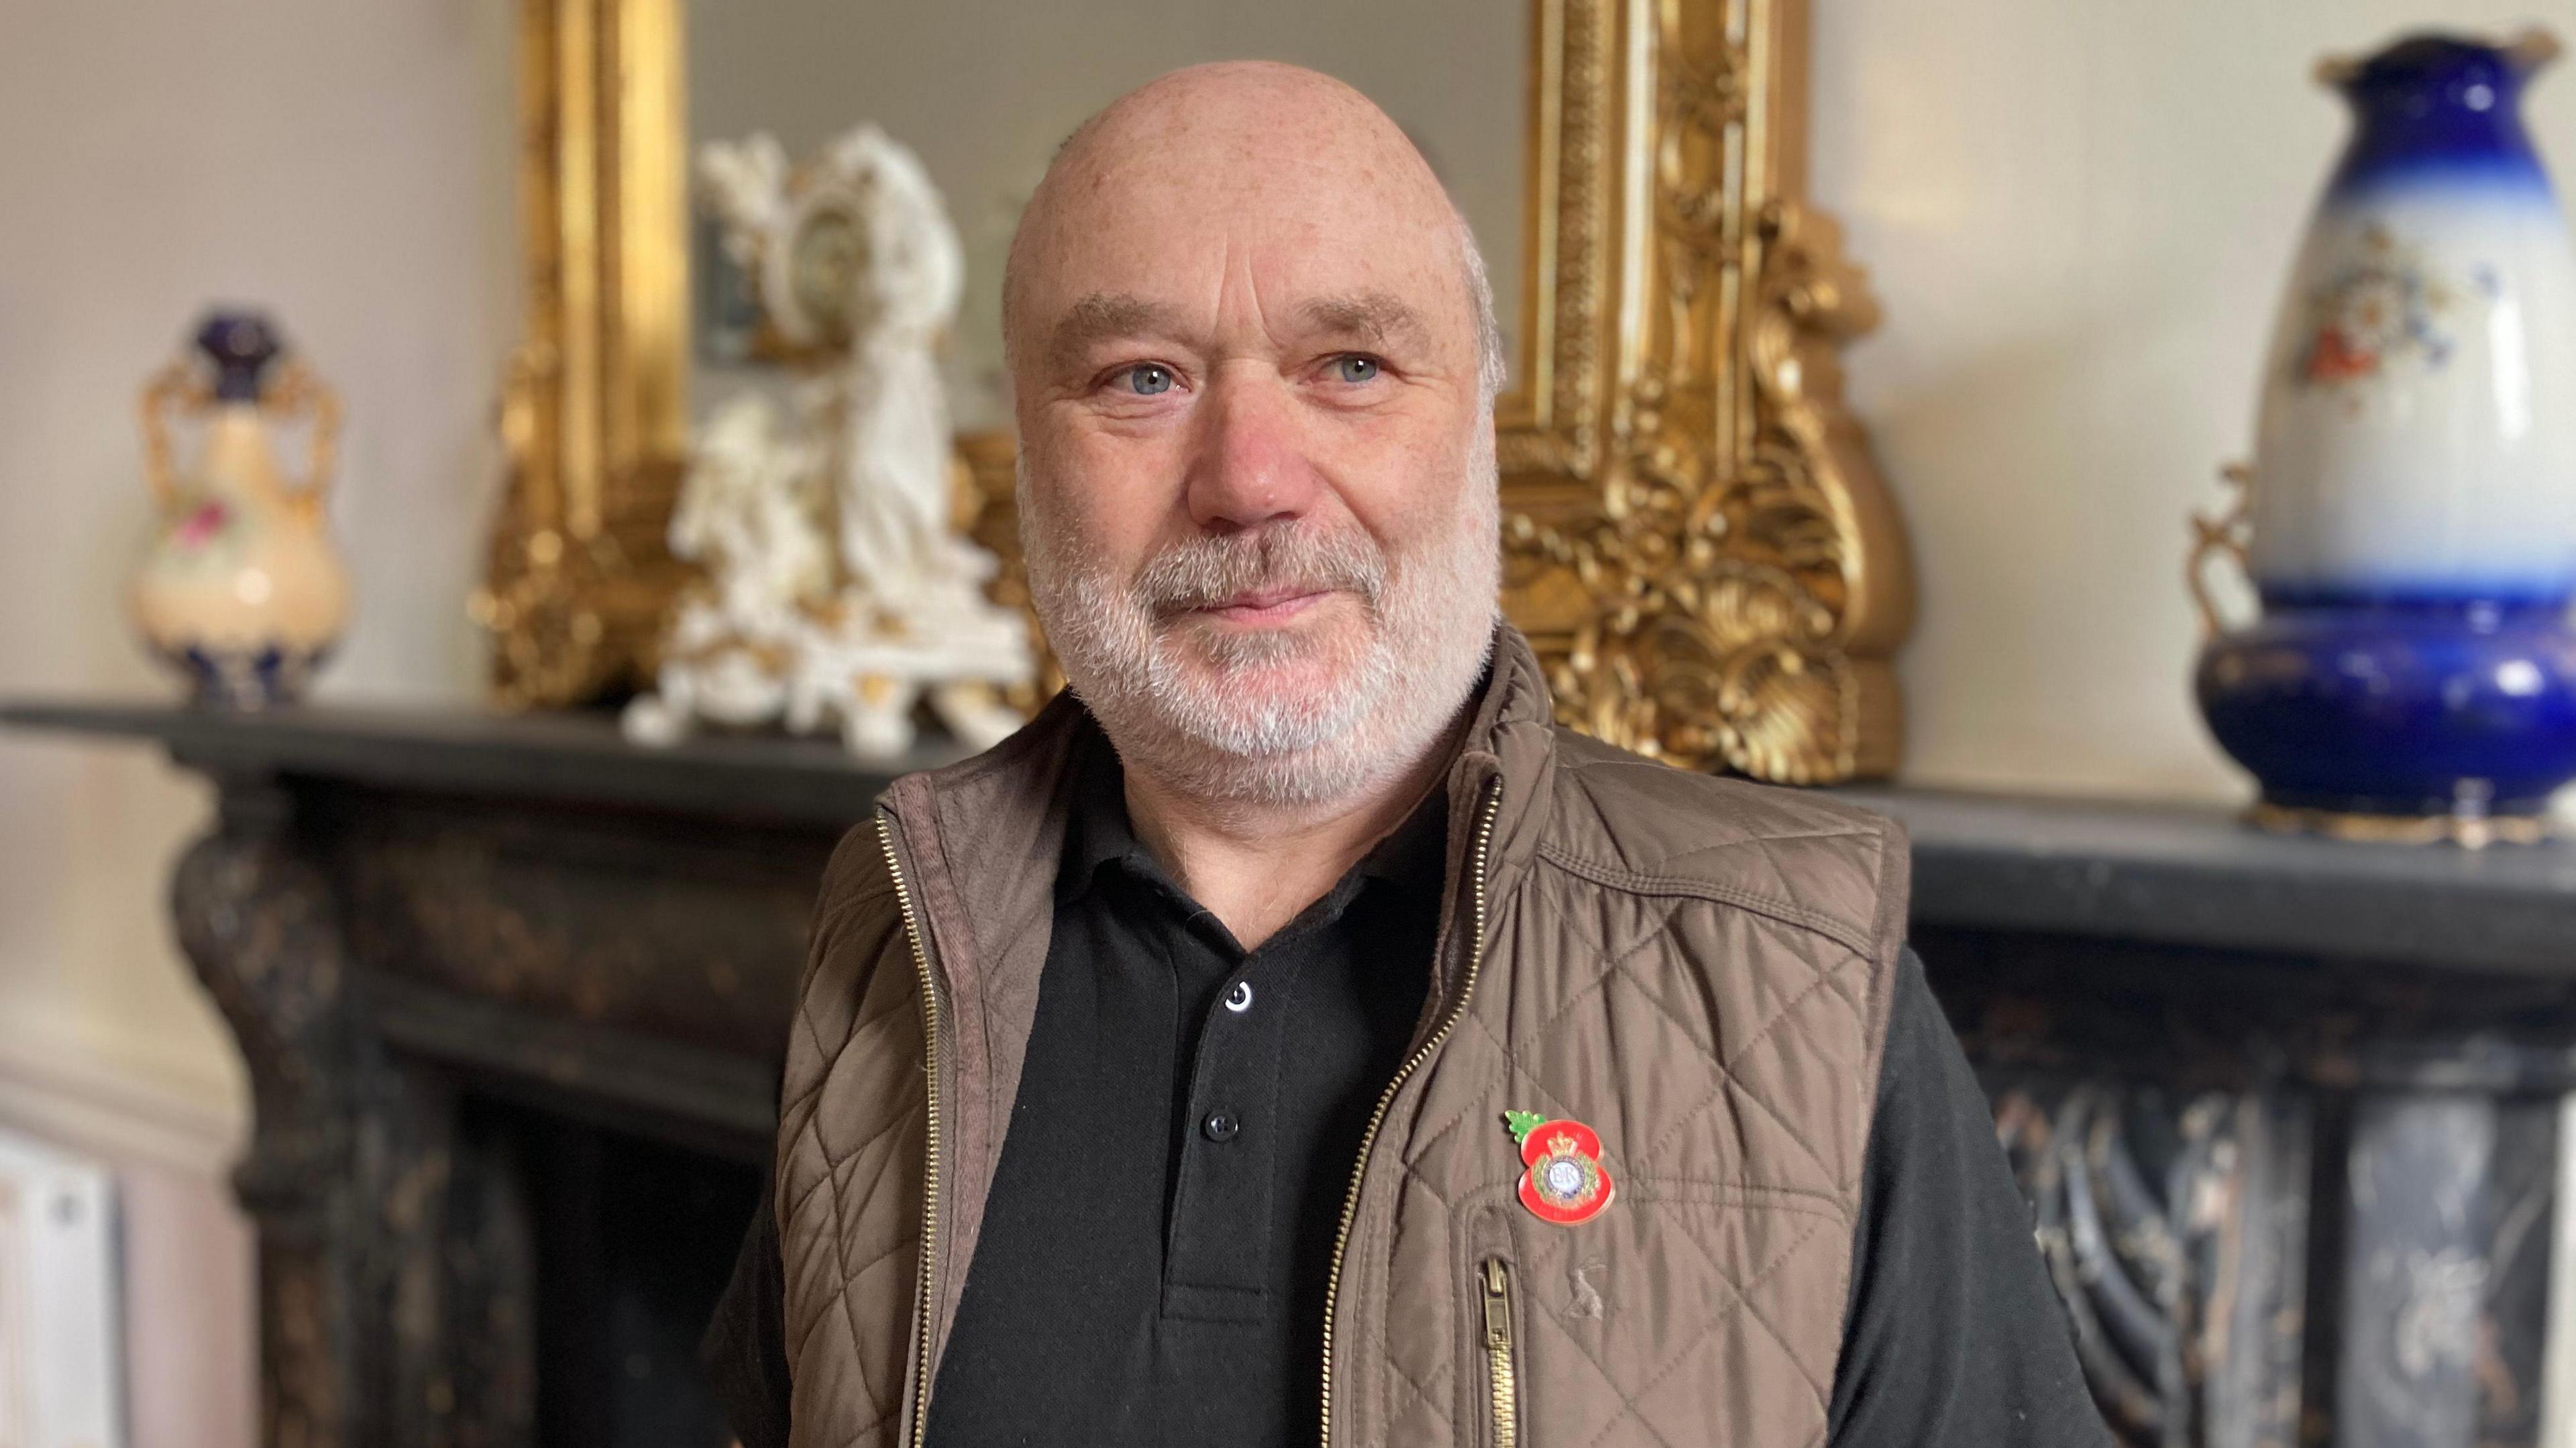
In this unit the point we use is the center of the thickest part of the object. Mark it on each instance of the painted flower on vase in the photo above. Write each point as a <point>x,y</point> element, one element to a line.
<point>2379,310</point>
<point>202,526</point>
<point>2383,307</point>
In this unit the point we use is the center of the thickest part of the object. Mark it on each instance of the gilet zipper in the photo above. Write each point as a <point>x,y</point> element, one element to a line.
<point>1502,1379</point>
<point>929,1256</point>
<point>1351,1199</point>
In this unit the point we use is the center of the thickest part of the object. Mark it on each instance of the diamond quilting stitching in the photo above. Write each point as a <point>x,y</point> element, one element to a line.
<point>1619,967</point>
<point>1744,1298</point>
<point>841,1292</point>
<point>1429,1400</point>
<point>806,1020</point>
<point>830,1175</point>
<point>1415,1174</point>
<point>1514,1066</point>
<point>1585,870</point>
<point>833,1060</point>
<point>1728,1079</point>
<point>1628,1409</point>
<point>1613,962</point>
<point>1742,1291</point>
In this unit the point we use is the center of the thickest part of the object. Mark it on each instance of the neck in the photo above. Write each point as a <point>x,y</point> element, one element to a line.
<point>1256,866</point>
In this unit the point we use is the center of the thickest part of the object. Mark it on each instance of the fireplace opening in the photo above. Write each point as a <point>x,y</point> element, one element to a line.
<point>634,1240</point>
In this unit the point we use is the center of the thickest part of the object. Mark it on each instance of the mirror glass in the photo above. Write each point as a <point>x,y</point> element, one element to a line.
<point>984,90</point>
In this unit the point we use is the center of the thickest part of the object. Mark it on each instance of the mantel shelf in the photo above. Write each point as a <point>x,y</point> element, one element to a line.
<point>567,757</point>
<point>2149,873</point>
<point>2194,875</point>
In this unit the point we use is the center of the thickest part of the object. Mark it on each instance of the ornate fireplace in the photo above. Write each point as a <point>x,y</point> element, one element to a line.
<point>512,994</point>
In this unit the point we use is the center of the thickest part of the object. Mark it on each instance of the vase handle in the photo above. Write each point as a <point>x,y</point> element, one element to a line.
<point>175,388</point>
<point>2530,49</point>
<point>2229,533</point>
<point>298,391</point>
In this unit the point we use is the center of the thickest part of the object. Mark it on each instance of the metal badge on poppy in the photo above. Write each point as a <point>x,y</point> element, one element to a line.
<point>1564,1181</point>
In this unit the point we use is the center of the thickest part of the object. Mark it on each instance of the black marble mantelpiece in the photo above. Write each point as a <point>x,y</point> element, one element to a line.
<point>2185,875</point>
<point>2286,1108</point>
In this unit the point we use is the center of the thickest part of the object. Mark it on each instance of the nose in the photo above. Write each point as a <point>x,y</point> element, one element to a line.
<point>1248,466</point>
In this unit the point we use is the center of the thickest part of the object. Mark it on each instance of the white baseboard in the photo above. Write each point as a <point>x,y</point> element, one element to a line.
<point>122,1111</point>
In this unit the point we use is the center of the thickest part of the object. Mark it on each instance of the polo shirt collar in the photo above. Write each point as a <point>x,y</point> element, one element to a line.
<point>1099,833</point>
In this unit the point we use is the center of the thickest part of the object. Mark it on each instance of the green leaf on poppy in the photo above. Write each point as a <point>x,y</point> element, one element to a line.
<point>1523,1123</point>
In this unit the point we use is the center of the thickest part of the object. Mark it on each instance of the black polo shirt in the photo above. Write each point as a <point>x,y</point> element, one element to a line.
<point>1153,1259</point>
<point>1156,1246</point>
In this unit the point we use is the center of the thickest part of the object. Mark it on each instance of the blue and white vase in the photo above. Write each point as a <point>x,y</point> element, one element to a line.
<point>2411,525</point>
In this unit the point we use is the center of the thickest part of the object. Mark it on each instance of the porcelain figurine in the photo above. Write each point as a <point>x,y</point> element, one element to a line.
<point>2410,518</point>
<point>839,591</point>
<point>239,588</point>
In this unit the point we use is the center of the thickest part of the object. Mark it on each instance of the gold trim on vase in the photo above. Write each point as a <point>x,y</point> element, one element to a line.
<point>2468,831</point>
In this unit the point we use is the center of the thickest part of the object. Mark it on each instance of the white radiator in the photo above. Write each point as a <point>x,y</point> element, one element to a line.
<point>59,1353</point>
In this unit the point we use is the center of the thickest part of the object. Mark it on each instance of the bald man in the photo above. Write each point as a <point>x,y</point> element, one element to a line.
<point>1292,1034</point>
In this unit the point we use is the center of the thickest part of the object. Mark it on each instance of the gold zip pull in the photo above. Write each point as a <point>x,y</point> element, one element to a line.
<point>1502,1380</point>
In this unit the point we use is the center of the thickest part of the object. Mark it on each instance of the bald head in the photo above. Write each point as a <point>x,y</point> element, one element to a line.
<point>1250,140</point>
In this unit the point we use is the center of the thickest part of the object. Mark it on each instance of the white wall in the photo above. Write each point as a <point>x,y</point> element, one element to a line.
<point>346,166</point>
<point>2078,215</point>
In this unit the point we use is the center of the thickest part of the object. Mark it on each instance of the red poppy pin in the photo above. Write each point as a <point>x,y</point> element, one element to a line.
<point>1565,1182</point>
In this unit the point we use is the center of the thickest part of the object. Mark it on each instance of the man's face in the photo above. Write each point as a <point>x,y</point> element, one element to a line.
<point>1257,473</point>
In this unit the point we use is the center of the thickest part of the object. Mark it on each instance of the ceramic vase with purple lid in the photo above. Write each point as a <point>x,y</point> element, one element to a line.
<point>239,588</point>
<point>2410,518</point>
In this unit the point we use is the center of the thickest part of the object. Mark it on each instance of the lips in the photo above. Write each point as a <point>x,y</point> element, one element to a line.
<point>1267,606</point>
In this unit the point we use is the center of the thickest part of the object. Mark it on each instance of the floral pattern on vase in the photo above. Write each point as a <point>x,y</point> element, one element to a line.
<point>2384,310</point>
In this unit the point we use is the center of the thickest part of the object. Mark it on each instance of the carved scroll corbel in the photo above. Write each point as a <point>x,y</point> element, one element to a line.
<point>258,923</point>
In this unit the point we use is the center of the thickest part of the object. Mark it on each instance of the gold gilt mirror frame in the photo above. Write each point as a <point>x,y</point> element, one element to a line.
<point>1695,538</point>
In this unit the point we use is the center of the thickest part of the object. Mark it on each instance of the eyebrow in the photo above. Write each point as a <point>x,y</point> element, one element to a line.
<point>1377,317</point>
<point>1374,317</point>
<point>1103,316</point>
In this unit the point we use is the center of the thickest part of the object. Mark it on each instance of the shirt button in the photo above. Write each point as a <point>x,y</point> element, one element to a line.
<point>1221,1126</point>
<point>1239,999</point>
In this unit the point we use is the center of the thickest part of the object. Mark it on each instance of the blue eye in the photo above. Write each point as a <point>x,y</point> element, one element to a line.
<point>1356,369</point>
<point>1148,378</point>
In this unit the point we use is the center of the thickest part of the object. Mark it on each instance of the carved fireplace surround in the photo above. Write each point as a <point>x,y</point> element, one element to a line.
<point>512,995</point>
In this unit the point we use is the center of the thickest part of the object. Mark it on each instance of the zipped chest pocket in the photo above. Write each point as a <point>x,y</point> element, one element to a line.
<point>1502,1353</point>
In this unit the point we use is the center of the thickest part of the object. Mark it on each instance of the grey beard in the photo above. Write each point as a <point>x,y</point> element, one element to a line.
<point>1429,627</point>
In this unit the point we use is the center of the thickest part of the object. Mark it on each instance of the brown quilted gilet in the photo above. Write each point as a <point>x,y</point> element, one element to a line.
<point>1697,968</point>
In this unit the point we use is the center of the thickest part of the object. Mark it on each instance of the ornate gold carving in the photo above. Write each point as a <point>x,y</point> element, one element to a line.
<point>1729,588</point>
<point>1695,537</point>
<point>579,570</point>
